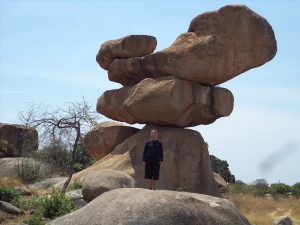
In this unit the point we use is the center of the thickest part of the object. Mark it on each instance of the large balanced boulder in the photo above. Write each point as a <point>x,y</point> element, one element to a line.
<point>166,101</point>
<point>186,163</point>
<point>104,137</point>
<point>126,47</point>
<point>17,140</point>
<point>105,180</point>
<point>218,46</point>
<point>134,206</point>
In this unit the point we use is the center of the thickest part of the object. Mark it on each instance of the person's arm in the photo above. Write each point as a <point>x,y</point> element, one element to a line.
<point>161,153</point>
<point>145,152</point>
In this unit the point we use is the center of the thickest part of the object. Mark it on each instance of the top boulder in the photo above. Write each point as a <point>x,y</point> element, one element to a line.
<point>126,47</point>
<point>218,46</point>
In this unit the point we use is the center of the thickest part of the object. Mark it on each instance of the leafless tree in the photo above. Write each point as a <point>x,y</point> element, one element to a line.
<point>67,124</point>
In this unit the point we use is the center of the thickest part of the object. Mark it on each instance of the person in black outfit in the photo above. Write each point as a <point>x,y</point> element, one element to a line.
<point>152,157</point>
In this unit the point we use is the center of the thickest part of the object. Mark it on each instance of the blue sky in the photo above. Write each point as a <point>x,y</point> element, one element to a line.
<point>47,55</point>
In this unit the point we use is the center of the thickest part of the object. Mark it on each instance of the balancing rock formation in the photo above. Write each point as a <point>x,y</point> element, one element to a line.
<point>175,88</point>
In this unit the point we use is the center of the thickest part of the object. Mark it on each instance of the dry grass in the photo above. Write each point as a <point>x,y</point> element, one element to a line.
<point>262,210</point>
<point>11,182</point>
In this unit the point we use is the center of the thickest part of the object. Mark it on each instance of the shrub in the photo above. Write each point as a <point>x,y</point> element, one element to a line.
<point>55,204</point>
<point>279,189</point>
<point>35,219</point>
<point>239,187</point>
<point>9,194</point>
<point>260,187</point>
<point>57,153</point>
<point>296,189</point>
<point>29,204</point>
<point>74,186</point>
<point>28,169</point>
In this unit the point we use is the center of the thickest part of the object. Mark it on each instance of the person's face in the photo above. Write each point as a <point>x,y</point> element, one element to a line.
<point>154,134</point>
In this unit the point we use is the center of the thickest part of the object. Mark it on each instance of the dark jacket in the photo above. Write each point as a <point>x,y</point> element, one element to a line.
<point>153,151</point>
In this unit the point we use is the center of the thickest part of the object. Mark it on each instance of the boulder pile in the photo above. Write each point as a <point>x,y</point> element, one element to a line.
<point>176,88</point>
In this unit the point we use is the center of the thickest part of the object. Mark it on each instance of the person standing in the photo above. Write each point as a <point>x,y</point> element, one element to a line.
<point>152,158</point>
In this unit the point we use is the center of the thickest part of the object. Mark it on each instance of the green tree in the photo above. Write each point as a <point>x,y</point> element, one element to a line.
<point>222,167</point>
<point>260,187</point>
<point>279,188</point>
<point>296,189</point>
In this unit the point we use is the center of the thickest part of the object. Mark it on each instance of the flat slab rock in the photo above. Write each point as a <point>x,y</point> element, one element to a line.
<point>218,46</point>
<point>166,101</point>
<point>134,206</point>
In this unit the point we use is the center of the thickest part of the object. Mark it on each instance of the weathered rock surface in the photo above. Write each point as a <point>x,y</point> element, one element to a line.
<point>9,208</point>
<point>126,47</point>
<point>166,101</point>
<point>282,220</point>
<point>77,198</point>
<point>48,182</point>
<point>15,167</point>
<point>17,140</point>
<point>105,180</point>
<point>134,206</point>
<point>221,183</point>
<point>104,137</point>
<point>186,160</point>
<point>218,46</point>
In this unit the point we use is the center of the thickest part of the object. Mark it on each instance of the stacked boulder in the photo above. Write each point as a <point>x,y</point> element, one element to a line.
<point>175,88</point>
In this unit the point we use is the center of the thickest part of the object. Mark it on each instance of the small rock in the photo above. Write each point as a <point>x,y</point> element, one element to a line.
<point>47,182</point>
<point>76,194</point>
<point>7,207</point>
<point>105,180</point>
<point>77,198</point>
<point>79,203</point>
<point>282,220</point>
<point>221,183</point>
